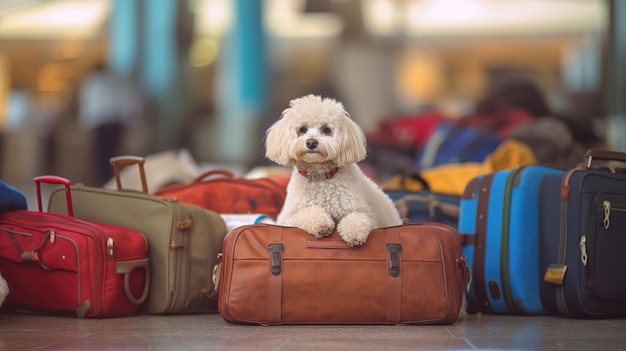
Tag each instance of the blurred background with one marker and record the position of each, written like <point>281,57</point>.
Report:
<point>210,76</point>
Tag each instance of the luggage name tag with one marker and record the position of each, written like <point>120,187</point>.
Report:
<point>555,274</point>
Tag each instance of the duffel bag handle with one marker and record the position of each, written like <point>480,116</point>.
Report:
<point>614,159</point>
<point>51,179</point>
<point>449,210</point>
<point>125,268</point>
<point>213,172</point>
<point>127,160</point>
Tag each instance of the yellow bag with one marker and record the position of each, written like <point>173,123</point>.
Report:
<point>452,178</point>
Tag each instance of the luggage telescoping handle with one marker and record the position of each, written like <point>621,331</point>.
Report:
<point>54,180</point>
<point>128,160</point>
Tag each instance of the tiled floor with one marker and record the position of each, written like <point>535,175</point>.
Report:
<point>211,332</point>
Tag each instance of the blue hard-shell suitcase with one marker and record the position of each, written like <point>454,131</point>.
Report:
<point>499,217</point>
<point>583,238</point>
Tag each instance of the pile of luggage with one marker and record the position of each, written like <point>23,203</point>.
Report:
<point>529,240</point>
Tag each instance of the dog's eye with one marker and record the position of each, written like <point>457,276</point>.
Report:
<point>302,130</point>
<point>326,131</point>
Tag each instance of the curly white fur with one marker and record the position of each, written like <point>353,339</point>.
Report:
<point>327,190</point>
<point>4,289</point>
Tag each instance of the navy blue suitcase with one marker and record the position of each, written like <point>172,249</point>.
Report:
<point>499,219</point>
<point>583,238</point>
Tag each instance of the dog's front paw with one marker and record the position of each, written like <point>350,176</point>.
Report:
<point>354,229</point>
<point>322,231</point>
<point>353,241</point>
<point>314,221</point>
<point>319,228</point>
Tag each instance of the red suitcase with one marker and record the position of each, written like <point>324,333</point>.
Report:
<point>59,264</point>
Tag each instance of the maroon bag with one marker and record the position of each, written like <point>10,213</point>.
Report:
<point>220,191</point>
<point>56,263</point>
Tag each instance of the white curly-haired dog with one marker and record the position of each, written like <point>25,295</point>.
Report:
<point>327,190</point>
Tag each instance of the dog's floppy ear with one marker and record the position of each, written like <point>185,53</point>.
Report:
<point>277,138</point>
<point>353,143</point>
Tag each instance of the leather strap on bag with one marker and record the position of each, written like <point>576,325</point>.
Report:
<point>481,240</point>
<point>275,283</point>
<point>32,255</point>
<point>394,275</point>
<point>125,268</point>
<point>216,173</point>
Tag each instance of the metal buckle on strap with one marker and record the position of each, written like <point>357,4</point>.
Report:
<point>394,258</point>
<point>275,249</point>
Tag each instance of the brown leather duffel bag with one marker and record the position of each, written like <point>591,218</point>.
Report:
<point>409,274</point>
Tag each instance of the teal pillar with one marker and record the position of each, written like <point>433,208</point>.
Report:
<point>160,68</point>
<point>616,76</point>
<point>242,85</point>
<point>124,50</point>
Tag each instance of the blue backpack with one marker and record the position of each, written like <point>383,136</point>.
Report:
<point>451,143</point>
<point>11,198</point>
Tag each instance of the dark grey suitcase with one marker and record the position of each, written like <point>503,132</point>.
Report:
<point>583,237</point>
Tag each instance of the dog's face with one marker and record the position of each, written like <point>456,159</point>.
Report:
<point>315,130</point>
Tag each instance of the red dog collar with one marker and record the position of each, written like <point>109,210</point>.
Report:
<point>329,174</point>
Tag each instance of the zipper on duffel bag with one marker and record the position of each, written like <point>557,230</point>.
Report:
<point>180,294</point>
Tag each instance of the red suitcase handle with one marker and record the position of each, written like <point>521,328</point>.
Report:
<point>128,160</point>
<point>51,179</point>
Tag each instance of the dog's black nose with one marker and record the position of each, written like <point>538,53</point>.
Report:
<point>311,144</point>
